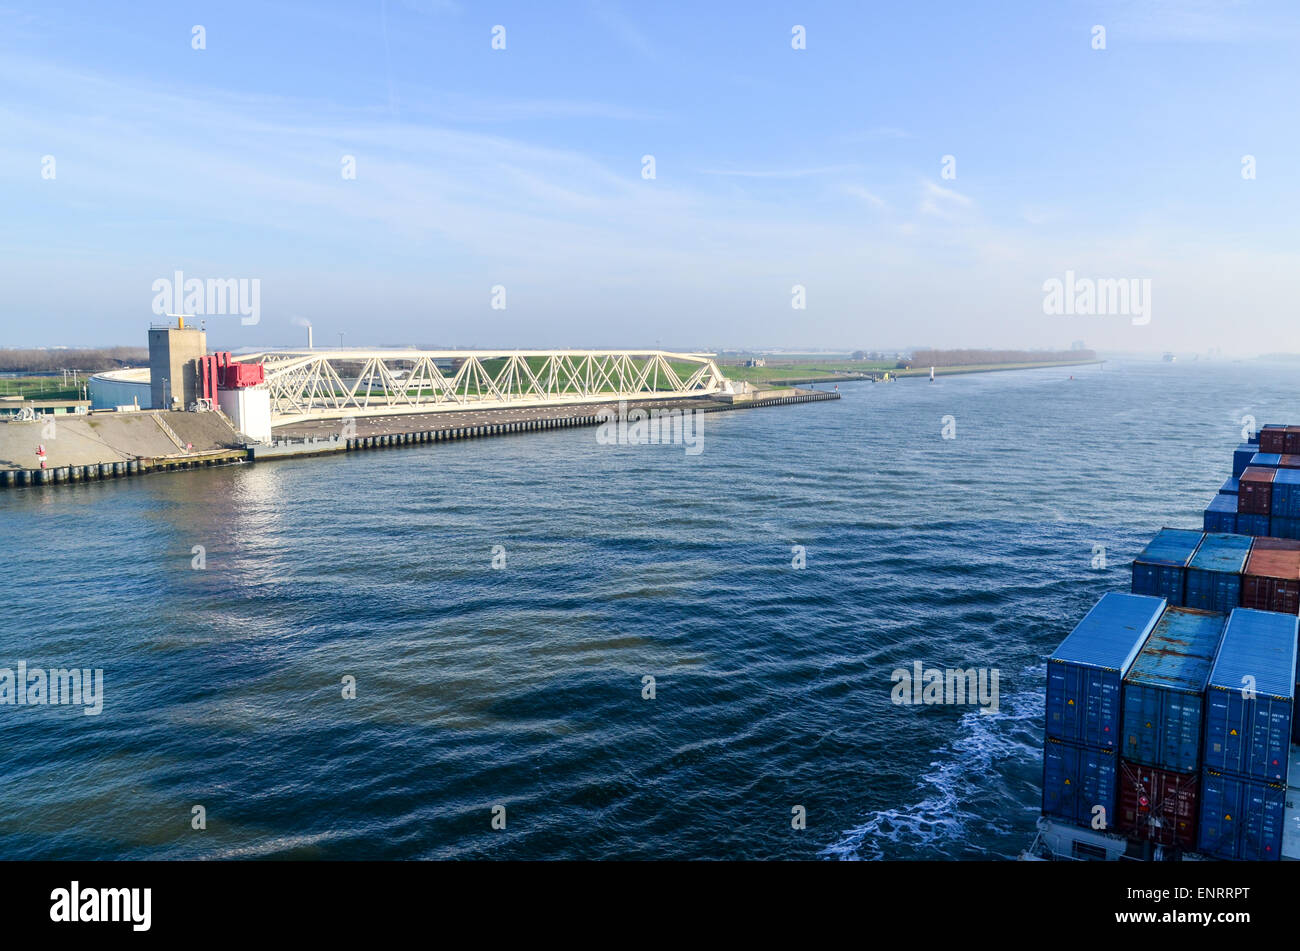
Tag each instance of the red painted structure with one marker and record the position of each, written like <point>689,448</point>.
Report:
<point>218,371</point>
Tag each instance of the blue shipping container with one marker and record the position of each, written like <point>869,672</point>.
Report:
<point>1241,819</point>
<point>1085,674</point>
<point>1164,690</point>
<point>1229,486</point>
<point>1241,457</point>
<point>1255,525</point>
<point>1214,573</point>
<point>1161,569</point>
<point>1268,460</point>
<point>1248,701</point>
<point>1076,780</point>
<point>1286,494</point>
<point>1284,527</point>
<point>1221,515</point>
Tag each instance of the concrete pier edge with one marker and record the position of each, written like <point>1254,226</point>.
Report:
<point>11,478</point>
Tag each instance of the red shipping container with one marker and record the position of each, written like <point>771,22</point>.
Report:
<point>1271,581</point>
<point>1292,441</point>
<point>1273,439</point>
<point>1289,462</point>
<point>1255,491</point>
<point>1158,805</point>
<point>1269,543</point>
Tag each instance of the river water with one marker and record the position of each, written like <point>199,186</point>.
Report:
<point>523,686</point>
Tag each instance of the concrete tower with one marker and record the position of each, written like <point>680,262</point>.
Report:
<point>172,352</point>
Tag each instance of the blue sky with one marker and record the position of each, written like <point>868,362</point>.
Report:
<point>522,167</point>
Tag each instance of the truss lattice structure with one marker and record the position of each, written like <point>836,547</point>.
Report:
<point>324,384</point>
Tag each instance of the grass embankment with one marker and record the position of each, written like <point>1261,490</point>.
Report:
<point>992,367</point>
<point>831,372</point>
<point>780,372</point>
<point>39,388</point>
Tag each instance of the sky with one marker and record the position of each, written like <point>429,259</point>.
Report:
<point>921,171</point>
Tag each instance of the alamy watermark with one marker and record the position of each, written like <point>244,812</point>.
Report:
<point>78,903</point>
<point>922,685</point>
<point>1107,297</point>
<point>214,297</point>
<point>61,686</point>
<point>652,427</point>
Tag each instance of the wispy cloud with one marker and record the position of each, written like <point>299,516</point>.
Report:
<point>879,132</point>
<point>1198,21</point>
<point>779,172</point>
<point>940,201</point>
<point>622,27</point>
<point>488,177</point>
<point>459,108</point>
<point>857,191</point>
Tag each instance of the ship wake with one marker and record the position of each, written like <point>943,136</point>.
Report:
<point>967,783</point>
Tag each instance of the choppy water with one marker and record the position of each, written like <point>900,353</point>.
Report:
<point>522,687</point>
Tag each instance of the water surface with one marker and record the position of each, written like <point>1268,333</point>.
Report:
<point>522,687</point>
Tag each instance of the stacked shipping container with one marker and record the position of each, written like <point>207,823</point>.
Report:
<point>1214,573</point>
<point>1163,703</point>
<point>1221,514</point>
<point>1085,676</point>
<point>1271,581</point>
<point>1158,805</point>
<point>1173,709</point>
<point>1284,510</point>
<point>1161,569</point>
<point>1241,457</point>
<point>1272,438</point>
<point>1249,726</point>
<point>1255,491</point>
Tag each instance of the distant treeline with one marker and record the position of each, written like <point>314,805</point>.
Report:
<point>965,358</point>
<point>88,361</point>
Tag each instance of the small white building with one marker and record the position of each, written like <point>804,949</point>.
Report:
<point>249,410</point>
